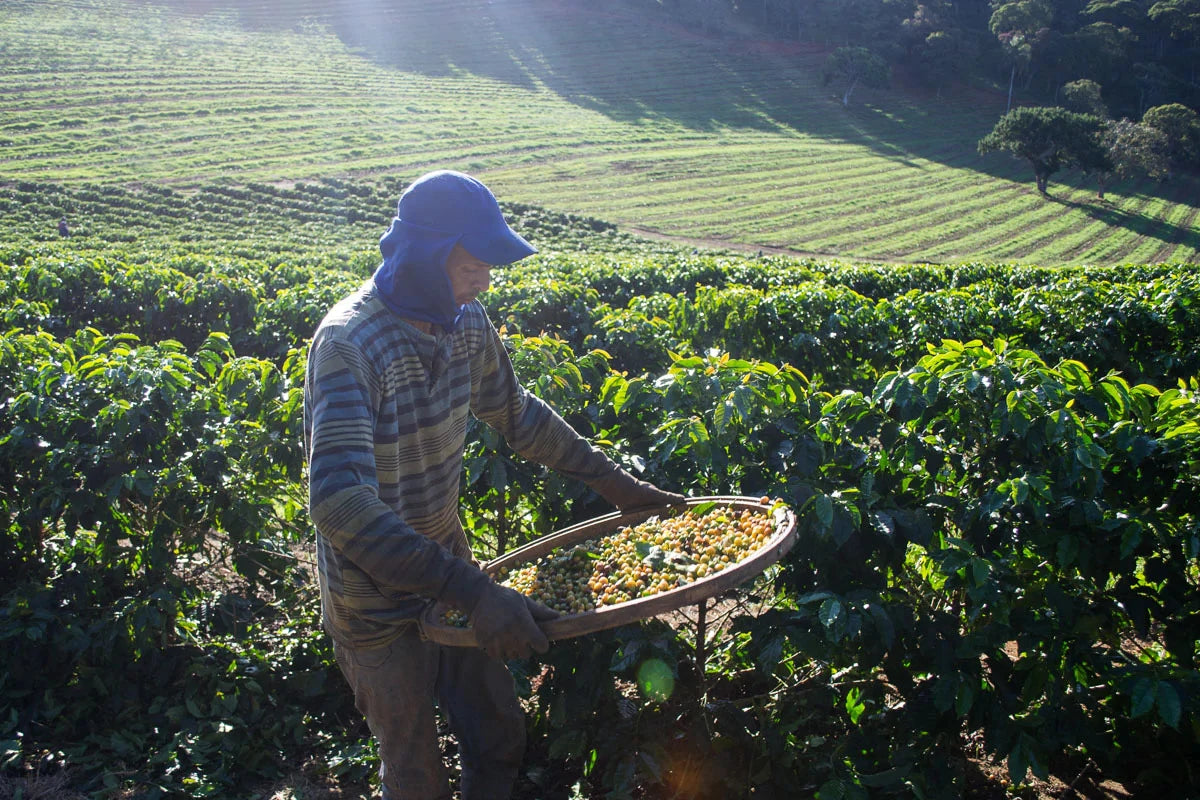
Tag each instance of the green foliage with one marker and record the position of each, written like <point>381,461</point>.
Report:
<point>996,541</point>
<point>1049,139</point>
<point>1181,126</point>
<point>1134,148</point>
<point>513,501</point>
<point>976,537</point>
<point>126,468</point>
<point>984,552</point>
<point>854,66</point>
<point>722,424</point>
<point>1083,97</point>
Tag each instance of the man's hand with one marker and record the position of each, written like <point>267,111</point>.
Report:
<point>506,623</point>
<point>629,494</point>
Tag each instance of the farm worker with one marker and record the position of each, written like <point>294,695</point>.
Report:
<point>393,372</point>
<point>63,229</point>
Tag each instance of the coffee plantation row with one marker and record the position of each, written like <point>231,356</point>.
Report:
<point>996,472</point>
<point>841,325</point>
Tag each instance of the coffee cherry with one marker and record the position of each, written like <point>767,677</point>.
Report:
<point>641,560</point>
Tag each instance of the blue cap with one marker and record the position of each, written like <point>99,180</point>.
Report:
<point>454,203</point>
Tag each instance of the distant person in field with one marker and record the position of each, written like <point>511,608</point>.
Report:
<point>63,229</point>
<point>393,372</point>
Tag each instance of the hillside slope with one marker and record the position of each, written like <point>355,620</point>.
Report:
<point>574,107</point>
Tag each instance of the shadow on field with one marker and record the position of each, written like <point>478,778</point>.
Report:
<point>1139,223</point>
<point>630,64</point>
<point>635,64</point>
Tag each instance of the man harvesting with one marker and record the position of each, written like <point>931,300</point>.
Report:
<point>393,372</point>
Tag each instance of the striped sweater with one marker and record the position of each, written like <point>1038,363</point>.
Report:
<point>385,421</point>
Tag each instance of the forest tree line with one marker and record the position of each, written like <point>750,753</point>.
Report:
<point>1142,53</point>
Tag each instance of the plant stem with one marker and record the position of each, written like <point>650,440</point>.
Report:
<point>701,655</point>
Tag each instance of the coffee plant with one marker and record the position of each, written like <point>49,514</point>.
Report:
<point>994,470</point>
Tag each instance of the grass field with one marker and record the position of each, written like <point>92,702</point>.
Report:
<point>574,106</point>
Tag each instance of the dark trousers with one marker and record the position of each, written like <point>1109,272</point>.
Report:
<point>395,688</point>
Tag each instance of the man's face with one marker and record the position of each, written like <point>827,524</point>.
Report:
<point>469,277</point>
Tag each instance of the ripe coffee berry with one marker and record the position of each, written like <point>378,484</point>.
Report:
<point>641,560</point>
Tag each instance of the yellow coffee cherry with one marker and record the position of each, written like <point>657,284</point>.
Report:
<point>641,560</point>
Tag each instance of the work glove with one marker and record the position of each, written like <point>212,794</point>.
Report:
<point>630,495</point>
<point>506,622</point>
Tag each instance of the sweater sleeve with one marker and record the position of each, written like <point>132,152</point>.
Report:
<point>340,403</point>
<point>529,425</point>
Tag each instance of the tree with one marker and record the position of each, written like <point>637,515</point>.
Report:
<point>1016,25</point>
<point>1083,97</point>
<point>944,55</point>
<point>1181,126</point>
<point>855,65</point>
<point>1180,17</point>
<point>1049,139</point>
<point>1133,148</point>
<point>1153,81</point>
<point>1100,50</point>
<point>1123,13</point>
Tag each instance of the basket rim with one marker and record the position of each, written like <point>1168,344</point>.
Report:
<point>572,625</point>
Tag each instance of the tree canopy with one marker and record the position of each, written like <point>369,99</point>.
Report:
<point>1084,97</point>
<point>1142,53</point>
<point>1050,139</point>
<point>855,65</point>
<point>1181,127</point>
<point>1133,148</point>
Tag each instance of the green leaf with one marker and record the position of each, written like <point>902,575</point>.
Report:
<point>498,474</point>
<point>1186,429</point>
<point>831,613</point>
<point>813,597</point>
<point>566,745</point>
<point>1084,456</point>
<point>1169,706</point>
<point>1018,761</point>
<point>883,624</point>
<point>625,657</point>
<point>823,505</point>
<point>768,658</point>
<point>945,692</point>
<point>1075,371</point>
<point>889,777</point>
<point>1131,539</point>
<point>721,417</point>
<point>1068,549</point>
<point>1116,398</point>
<point>964,699</point>
<point>885,386</point>
<point>980,570</point>
<point>832,790</point>
<point>1035,683</point>
<point>854,705</point>
<point>651,764</point>
<point>1142,698</point>
<point>743,398</point>
<point>618,387</point>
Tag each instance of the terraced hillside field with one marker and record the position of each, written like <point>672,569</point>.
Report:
<point>578,107</point>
